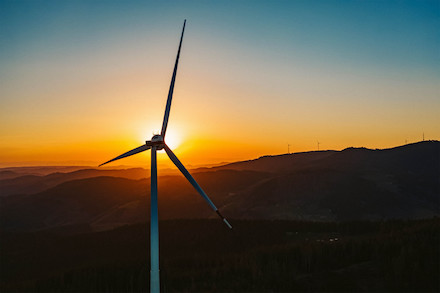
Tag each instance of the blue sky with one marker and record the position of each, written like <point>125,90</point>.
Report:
<point>392,33</point>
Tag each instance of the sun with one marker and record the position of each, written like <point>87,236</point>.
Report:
<point>173,139</point>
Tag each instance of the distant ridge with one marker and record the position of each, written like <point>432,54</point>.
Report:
<point>352,184</point>
<point>17,183</point>
<point>285,160</point>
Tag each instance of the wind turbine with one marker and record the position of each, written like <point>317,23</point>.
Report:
<point>156,143</point>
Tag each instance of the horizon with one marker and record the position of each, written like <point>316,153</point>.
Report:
<point>170,166</point>
<point>84,81</point>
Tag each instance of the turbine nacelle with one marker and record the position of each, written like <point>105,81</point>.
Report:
<point>157,141</point>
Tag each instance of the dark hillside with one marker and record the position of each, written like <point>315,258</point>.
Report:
<point>70,203</point>
<point>108,202</point>
<point>353,184</point>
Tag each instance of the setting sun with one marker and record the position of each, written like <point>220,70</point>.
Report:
<point>173,139</point>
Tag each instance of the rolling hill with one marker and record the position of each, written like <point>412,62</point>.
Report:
<point>15,183</point>
<point>353,184</point>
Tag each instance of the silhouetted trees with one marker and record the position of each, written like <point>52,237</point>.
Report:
<point>203,256</point>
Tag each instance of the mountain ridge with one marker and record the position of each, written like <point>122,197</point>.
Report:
<point>352,184</point>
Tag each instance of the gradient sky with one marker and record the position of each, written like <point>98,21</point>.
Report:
<point>84,81</point>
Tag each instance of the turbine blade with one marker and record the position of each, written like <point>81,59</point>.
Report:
<point>193,182</point>
<point>129,153</point>
<point>170,92</point>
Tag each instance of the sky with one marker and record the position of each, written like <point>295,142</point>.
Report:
<point>84,81</point>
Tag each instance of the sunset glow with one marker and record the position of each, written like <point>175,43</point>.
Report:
<point>82,82</point>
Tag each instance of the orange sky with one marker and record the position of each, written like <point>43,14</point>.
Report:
<point>83,96</point>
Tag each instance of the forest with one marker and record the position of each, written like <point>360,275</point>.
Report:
<point>204,256</point>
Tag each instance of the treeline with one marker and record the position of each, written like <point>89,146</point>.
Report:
<point>256,256</point>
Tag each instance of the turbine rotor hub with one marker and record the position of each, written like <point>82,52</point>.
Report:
<point>157,141</point>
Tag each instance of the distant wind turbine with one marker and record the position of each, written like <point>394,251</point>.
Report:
<point>156,143</point>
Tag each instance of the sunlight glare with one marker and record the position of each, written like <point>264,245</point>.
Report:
<point>173,139</point>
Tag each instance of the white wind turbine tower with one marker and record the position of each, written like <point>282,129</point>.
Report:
<point>156,143</point>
